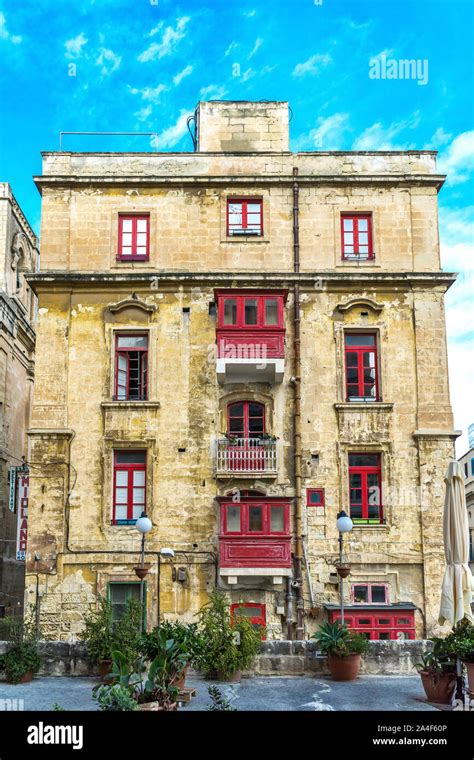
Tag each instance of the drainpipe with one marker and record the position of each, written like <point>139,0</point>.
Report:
<point>298,557</point>
<point>289,610</point>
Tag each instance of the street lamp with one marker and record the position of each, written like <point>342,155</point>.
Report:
<point>143,525</point>
<point>344,525</point>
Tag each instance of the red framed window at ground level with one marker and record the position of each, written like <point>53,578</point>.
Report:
<point>244,216</point>
<point>356,236</point>
<point>129,486</point>
<point>365,489</point>
<point>133,237</point>
<point>370,593</point>
<point>361,366</point>
<point>131,367</point>
<point>380,625</point>
<point>254,613</point>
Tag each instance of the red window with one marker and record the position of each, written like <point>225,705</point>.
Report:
<point>134,237</point>
<point>365,489</point>
<point>129,486</point>
<point>131,367</point>
<point>356,234</point>
<point>315,497</point>
<point>244,217</point>
<point>251,311</point>
<point>255,517</point>
<point>246,419</point>
<point>255,613</point>
<point>361,367</point>
<point>370,593</point>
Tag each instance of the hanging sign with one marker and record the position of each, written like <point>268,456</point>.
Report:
<point>22,524</point>
<point>12,489</point>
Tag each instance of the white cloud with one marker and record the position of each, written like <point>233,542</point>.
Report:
<point>378,137</point>
<point>144,113</point>
<point>5,34</point>
<point>327,135</point>
<point>74,46</point>
<point>151,94</point>
<point>173,134</point>
<point>212,92</point>
<point>109,61</point>
<point>313,65</point>
<point>250,14</point>
<point>457,160</point>
<point>182,74</point>
<point>439,138</point>
<point>248,74</point>
<point>168,42</point>
<point>232,46</point>
<point>258,44</point>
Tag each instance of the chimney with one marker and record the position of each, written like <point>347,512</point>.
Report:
<point>242,126</point>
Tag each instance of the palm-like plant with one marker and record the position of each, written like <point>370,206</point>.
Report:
<point>337,639</point>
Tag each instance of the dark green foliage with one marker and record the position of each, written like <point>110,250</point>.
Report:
<point>219,703</point>
<point>337,639</point>
<point>228,646</point>
<point>103,635</point>
<point>22,655</point>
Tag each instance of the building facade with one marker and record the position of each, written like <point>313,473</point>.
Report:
<point>241,342</point>
<point>467,463</point>
<point>19,255</point>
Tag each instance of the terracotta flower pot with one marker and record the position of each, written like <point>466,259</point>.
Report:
<point>180,681</point>
<point>157,707</point>
<point>229,677</point>
<point>105,666</point>
<point>26,677</point>
<point>344,668</point>
<point>439,687</point>
<point>470,676</point>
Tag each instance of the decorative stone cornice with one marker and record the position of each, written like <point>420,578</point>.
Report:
<point>133,302</point>
<point>366,303</point>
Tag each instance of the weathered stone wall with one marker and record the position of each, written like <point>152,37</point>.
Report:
<point>18,255</point>
<point>277,658</point>
<point>76,424</point>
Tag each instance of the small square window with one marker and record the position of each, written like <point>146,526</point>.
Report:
<point>356,234</point>
<point>315,497</point>
<point>244,217</point>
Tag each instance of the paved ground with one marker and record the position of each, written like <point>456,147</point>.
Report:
<point>286,693</point>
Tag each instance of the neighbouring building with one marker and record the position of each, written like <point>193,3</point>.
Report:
<point>467,463</point>
<point>241,342</point>
<point>19,255</point>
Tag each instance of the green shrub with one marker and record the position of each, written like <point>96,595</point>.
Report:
<point>114,698</point>
<point>337,639</point>
<point>103,635</point>
<point>22,655</point>
<point>229,645</point>
<point>219,703</point>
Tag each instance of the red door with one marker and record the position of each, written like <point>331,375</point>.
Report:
<point>246,424</point>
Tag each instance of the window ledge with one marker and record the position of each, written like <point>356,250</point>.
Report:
<point>245,239</point>
<point>377,405</point>
<point>356,263</point>
<point>130,404</point>
<point>355,526</point>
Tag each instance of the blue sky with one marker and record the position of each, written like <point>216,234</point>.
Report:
<point>142,65</point>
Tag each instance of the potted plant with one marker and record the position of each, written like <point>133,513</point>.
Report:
<point>460,643</point>
<point>21,660</point>
<point>437,670</point>
<point>343,649</point>
<point>186,637</point>
<point>152,686</point>
<point>114,698</point>
<point>231,645</point>
<point>103,635</point>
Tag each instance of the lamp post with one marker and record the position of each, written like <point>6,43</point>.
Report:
<point>344,525</point>
<point>143,525</point>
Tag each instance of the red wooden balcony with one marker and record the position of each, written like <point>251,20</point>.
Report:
<point>254,538</point>
<point>250,336</point>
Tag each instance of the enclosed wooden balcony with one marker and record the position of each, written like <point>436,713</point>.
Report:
<point>254,538</point>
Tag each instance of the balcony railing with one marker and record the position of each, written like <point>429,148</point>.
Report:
<point>246,455</point>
